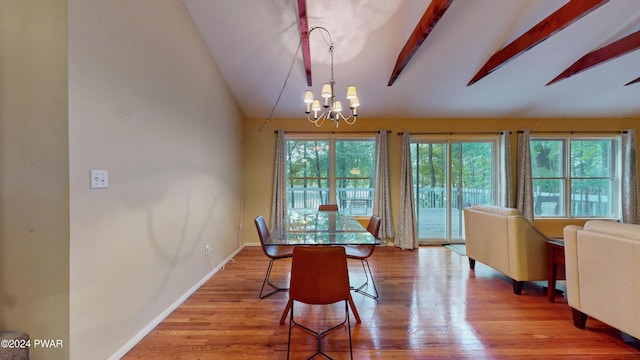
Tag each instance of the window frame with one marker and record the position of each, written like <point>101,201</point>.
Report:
<point>566,179</point>
<point>332,173</point>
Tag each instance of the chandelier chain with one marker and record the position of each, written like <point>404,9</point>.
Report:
<point>331,52</point>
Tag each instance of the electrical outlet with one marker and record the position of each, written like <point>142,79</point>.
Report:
<point>207,249</point>
<point>99,179</point>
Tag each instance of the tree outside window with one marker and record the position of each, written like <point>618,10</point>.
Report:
<point>322,171</point>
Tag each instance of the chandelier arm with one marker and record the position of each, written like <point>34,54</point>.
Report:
<point>317,121</point>
<point>350,120</point>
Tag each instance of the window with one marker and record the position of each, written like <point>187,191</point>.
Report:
<point>323,171</point>
<point>576,176</point>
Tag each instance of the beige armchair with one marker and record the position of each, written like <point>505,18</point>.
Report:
<point>602,264</point>
<point>503,239</point>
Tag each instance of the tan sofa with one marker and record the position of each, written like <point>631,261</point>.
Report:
<point>602,264</point>
<point>506,241</point>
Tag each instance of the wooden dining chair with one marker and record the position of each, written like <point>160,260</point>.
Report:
<point>328,207</point>
<point>273,252</point>
<point>362,253</point>
<point>319,276</point>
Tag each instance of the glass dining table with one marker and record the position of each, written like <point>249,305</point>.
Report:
<point>320,228</point>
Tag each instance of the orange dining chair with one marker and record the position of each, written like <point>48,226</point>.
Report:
<point>319,276</point>
<point>273,252</point>
<point>328,207</point>
<point>362,253</point>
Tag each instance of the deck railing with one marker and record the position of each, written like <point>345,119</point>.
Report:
<point>359,201</point>
<point>355,201</point>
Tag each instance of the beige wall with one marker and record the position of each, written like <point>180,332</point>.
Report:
<point>260,147</point>
<point>34,168</point>
<point>132,90</point>
<point>146,103</point>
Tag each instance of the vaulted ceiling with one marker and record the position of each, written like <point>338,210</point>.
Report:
<point>430,58</point>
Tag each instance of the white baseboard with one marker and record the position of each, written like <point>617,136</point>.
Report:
<point>147,329</point>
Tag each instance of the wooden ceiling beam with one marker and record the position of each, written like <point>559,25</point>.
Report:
<point>560,19</point>
<point>304,38</point>
<point>637,80</point>
<point>429,19</point>
<point>618,48</point>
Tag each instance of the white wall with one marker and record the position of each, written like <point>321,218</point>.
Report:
<point>146,103</point>
<point>34,168</point>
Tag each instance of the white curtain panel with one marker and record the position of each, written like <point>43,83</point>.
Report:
<point>279,194</point>
<point>407,234</point>
<point>524,201</point>
<point>382,193</point>
<point>630,196</point>
<point>506,187</point>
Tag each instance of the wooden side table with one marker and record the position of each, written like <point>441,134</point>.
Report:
<point>555,257</point>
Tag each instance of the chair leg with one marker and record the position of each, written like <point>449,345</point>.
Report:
<point>320,335</point>
<point>290,325</point>
<point>579,318</point>
<point>373,295</point>
<point>266,281</point>
<point>346,309</point>
<point>354,310</point>
<point>286,311</point>
<point>517,287</point>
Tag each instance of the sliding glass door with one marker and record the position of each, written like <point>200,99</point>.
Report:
<point>448,176</point>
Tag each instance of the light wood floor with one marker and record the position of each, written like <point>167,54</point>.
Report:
<point>431,306</point>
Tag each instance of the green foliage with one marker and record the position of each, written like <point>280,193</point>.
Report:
<point>546,158</point>
<point>588,159</point>
<point>308,163</point>
<point>471,164</point>
<point>355,163</point>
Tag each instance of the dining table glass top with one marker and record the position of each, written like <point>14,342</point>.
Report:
<point>320,228</point>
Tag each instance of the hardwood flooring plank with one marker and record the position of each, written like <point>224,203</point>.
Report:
<point>431,306</point>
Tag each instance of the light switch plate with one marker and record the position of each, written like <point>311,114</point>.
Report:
<point>99,179</point>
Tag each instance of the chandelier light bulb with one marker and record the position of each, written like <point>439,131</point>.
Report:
<point>351,92</point>
<point>308,99</point>
<point>354,102</point>
<point>353,105</point>
<point>315,107</point>
<point>337,106</point>
<point>326,91</point>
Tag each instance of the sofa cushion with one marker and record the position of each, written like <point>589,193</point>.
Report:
<point>498,210</point>
<point>607,276</point>
<point>627,231</point>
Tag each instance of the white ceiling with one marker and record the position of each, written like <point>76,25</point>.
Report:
<point>254,43</point>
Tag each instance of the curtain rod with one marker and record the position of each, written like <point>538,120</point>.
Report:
<point>577,132</point>
<point>455,133</point>
<point>332,132</point>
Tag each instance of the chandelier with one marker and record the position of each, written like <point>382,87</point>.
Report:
<point>331,108</point>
